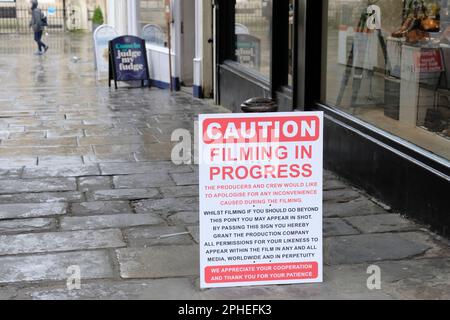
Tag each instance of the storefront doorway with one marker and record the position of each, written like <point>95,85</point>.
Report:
<point>258,52</point>
<point>187,33</point>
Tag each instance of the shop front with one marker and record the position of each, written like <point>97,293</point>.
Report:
<point>380,70</point>
<point>385,88</point>
<point>177,44</point>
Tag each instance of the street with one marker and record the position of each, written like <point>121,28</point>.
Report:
<point>92,207</point>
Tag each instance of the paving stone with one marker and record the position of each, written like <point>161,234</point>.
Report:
<point>116,158</point>
<point>185,218</point>
<point>7,293</point>
<point>333,184</point>
<point>406,279</point>
<point>60,241</point>
<point>328,175</point>
<point>341,195</point>
<point>156,179</point>
<point>11,173</point>
<point>17,162</point>
<point>101,207</point>
<point>122,139</point>
<point>40,151</point>
<point>195,233</point>
<point>86,184</point>
<point>53,267</point>
<point>382,223</point>
<point>27,225</point>
<point>32,210</point>
<point>41,185</point>
<point>359,207</point>
<point>55,133</point>
<point>107,222</point>
<point>60,160</point>
<point>45,197</point>
<point>160,289</point>
<point>123,194</point>
<point>142,167</point>
<point>185,179</point>
<point>117,149</point>
<point>372,248</point>
<point>144,237</point>
<point>439,247</point>
<point>40,142</point>
<point>155,153</point>
<point>256,293</point>
<point>159,262</point>
<point>167,206</point>
<point>338,227</point>
<point>27,135</point>
<point>427,279</point>
<point>180,191</point>
<point>60,171</point>
<point>110,132</point>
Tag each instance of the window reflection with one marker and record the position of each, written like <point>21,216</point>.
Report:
<point>152,22</point>
<point>388,63</point>
<point>253,34</point>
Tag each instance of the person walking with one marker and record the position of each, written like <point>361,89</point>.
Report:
<point>37,23</point>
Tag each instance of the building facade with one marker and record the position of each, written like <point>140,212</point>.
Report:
<point>179,39</point>
<point>380,72</point>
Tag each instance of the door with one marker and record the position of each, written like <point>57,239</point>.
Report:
<point>187,42</point>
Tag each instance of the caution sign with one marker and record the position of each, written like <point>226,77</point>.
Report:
<point>261,182</point>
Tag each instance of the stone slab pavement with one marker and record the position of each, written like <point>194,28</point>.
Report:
<point>86,180</point>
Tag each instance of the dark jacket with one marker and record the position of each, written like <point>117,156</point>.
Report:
<point>36,19</point>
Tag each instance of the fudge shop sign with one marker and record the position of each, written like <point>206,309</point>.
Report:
<point>261,181</point>
<point>128,60</point>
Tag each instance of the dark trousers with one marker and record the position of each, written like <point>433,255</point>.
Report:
<point>37,38</point>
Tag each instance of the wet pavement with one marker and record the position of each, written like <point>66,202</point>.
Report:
<point>86,180</point>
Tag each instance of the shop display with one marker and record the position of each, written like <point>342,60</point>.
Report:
<point>396,77</point>
<point>421,28</point>
<point>420,18</point>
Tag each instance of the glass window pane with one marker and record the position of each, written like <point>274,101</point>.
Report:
<point>253,34</point>
<point>152,12</point>
<point>389,64</point>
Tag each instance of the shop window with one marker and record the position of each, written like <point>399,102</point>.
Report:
<point>389,65</point>
<point>253,34</point>
<point>152,22</point>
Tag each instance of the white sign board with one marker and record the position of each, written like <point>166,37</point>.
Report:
<point>261,182</point>
<point>102,36</point>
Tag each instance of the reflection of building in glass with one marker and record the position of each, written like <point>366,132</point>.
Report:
<point>406,92</point>
<point>255,16</point>
<point>70,14</point>
<point>152,12</point>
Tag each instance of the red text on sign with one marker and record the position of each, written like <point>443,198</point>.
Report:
<point>274,129</point>
<point>262,272</point>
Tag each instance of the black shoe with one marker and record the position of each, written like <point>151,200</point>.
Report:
<point>45,49</point>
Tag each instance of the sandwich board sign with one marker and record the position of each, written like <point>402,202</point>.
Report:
<point>102,36</point>
<point>128,60</point>
<point>261,213</point>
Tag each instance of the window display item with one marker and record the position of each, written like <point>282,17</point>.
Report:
<point>419,20</point>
